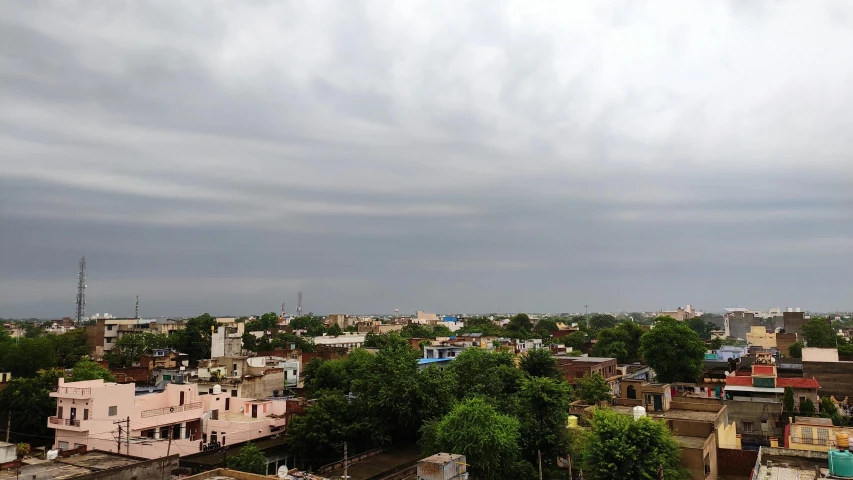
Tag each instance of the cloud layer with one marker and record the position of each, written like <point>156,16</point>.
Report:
<point>485,156</point>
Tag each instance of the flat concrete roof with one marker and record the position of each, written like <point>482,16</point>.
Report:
<point>70,467</point>
<point>690,442</point>
<point>675,414</point>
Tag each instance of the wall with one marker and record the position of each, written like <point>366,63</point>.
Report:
<point>784,342</point>
<point>758,337</point>
<point>793,322</point>
<point>8,452</point>
<point>835,378</point>
<point>735,464</point>
<point>156,469</point>
<point>225,473</point>
<point>811,354</point>
<point>745,411</point>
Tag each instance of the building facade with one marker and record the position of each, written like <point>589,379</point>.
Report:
<point>99,415</point>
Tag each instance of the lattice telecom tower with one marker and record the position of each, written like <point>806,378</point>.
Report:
<point>81,291</point>
<point>299,304</point>
<point>137,307</point>
<point>282,309</point>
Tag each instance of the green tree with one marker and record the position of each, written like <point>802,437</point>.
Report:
<point>194,338</point>
<point>807,408</point>
<point>490,374</point>
<point>414,330</point>
<point>818,333</point>
<point>576,340</point>
<point>674,351</point>
<point>827,407</point>
<point>441,331</point>
<point>701,327</point>
<point>128,348</point>
<point>389,394</point>
<point>250,459</point>
<point>618,447</point>
<point>539,362</point>
<point>543,405</point>
<point>796,350</point>
<point>788,399</point>
<point>334,330</point>
<point>620,342</point>
<point>544,327</point>
<point>326,423</point>
<point>86,369</point>
<point>488,439</point>
<point>520,325</point>
<point>267,321</point>
<point>70,347</point>
<point>601,321</point>
<point>593,389</point>
<point>27,356</point>
<point>29,401</point>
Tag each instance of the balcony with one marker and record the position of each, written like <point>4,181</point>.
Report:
<point>72,392</point>
<point>167,410</point>
<point>63,423</point>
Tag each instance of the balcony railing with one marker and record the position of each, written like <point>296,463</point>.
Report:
<point>63,421</point>
<point>812,441</point>
<point>167,410</point>
<point>78,392</point>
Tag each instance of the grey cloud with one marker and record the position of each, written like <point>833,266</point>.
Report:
<point>506,156</point>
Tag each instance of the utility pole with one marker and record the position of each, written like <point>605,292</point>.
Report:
<point>346,464</point>
<point>118,440</point>
<point>539,452</point>
<point>127,445</point>
<point>169,448</point>
<point>586,310</point>
<point>8,424</point>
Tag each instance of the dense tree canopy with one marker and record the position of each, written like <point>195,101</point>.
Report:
<point>619,447</point>
<point>539,362</point>
<point>267,321</point>
<point>593,389</point>
<point>601,321</point>
<point>674,351</point>
<point>127,349</point>
<point>818,333</point>
<point>249,459</point>
<point>194,338</point>
<point>701,327</point>
<point>543,405</point>
<point>488,439</point>
<point>621,342</point>
<point>519,325</point>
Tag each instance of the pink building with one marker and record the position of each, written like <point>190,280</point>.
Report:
<point>90,413</point>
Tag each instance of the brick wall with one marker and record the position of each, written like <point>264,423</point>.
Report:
<point>735,464</point>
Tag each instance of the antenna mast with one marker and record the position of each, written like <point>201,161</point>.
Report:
<point>299,304</point>
<point>282,309</point>
<point>81,291</point>
<point>137,307</point>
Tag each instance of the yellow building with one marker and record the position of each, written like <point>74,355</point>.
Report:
<point>816,434</point>
<point>758,337</point>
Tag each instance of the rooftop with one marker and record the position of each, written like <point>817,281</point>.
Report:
<point>75,466</point>
<point>744,381</point>
<point>425,361</point>
<point>586,359</point>
<point>690,442</point>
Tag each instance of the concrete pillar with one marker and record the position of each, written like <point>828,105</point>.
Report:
<point>184,430</point>
<point>156,433</point>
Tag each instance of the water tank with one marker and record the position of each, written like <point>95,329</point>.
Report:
<point>52,454</point>
<point>639,412</point>
<point>217,389</point>
<point>573,421</point>
<point>842,440</point>
<point>841,463</point>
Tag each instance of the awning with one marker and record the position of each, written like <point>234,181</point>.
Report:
<point>738,388</point>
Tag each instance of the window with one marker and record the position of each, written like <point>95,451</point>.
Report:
<point>63,445</point>
<point>85,414</point>
<point>109,339</point>
<point>822,436</point>
<point>110,328</point>
<point>747,426</point>
<point>113,411</point>
<point>233,393</point>
<point>294,372</point>
<point>807,434</point>
<point>59,412</point>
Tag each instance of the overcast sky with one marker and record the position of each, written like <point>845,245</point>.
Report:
<point>443,156</point>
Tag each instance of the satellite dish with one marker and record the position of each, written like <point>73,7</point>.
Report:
<point>282,473</point>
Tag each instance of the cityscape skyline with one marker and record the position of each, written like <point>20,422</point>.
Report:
<point>451,157</point>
